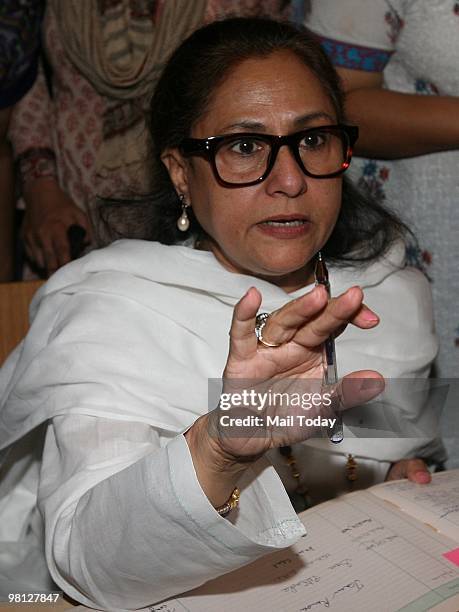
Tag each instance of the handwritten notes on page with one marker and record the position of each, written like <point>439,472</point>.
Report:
<point>359,554</point>
<point>436,504</point>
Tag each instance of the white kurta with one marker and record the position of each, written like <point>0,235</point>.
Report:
<point>115,367</point>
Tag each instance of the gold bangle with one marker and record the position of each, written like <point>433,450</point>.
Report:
<point>231,504</point>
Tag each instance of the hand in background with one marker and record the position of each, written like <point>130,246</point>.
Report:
<point>413,469</point>
<point>49,214</point>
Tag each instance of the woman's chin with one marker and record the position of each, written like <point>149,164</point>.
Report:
<point>285,257</point>
<point>284,273</point>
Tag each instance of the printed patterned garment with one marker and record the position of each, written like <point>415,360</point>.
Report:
<point>19,45</point>
<point>415,43</point>
<point>62,137</point>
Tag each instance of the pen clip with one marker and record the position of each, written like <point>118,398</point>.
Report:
<point>321,273</point>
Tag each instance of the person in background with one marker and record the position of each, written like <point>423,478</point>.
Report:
<point>398,61</point>
<point>19,48</point>
<point>90,138</point>
<point>122,474</point>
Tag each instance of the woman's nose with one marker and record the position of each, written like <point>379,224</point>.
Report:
<point>286,176</point>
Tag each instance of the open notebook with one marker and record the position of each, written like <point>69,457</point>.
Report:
<point>394,547</point>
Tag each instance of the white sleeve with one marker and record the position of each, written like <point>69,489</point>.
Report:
<point>127,523</point>
<point>357,34</point>
<point>404,344</point>
<point>364,22</point>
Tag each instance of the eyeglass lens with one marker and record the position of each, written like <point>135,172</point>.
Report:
<point>244,159</point>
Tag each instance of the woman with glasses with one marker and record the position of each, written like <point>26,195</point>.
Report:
<point>146,487</point>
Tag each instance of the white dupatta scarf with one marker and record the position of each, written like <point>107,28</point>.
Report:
<point>134,331</point>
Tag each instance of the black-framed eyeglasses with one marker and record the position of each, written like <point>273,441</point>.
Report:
<point>244,159</point>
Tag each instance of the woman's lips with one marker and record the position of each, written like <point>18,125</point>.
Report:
<point>285,227</point>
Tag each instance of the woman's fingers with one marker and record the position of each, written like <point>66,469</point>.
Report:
<point>313,318</point>
<point>413,469</point>
<point>365,318</point>
<point>296,313</point>
<point>243,341</point>
<point>308,320</point>
<point>283,324</point>
<point>337,314</point>
<point>33,252</point>
<point>358,388</point>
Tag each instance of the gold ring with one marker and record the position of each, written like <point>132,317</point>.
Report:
<point>260,322</point>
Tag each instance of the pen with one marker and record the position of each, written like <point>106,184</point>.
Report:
<point>329,354</point>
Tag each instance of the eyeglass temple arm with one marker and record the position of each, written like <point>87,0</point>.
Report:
<point>195,145</point>
<point>353,134</point>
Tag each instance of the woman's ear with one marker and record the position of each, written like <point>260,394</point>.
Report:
<point>178,170</point>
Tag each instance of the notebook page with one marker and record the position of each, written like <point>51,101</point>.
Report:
<point>436,504</point>
<point>359,554</point>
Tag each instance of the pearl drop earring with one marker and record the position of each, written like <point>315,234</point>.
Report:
<point>183,222</point>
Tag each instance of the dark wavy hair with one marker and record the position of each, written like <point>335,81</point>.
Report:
<point>364,229</point>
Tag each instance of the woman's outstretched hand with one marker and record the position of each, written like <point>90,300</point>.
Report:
<point>221,452</point>
<point>294,367</point>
